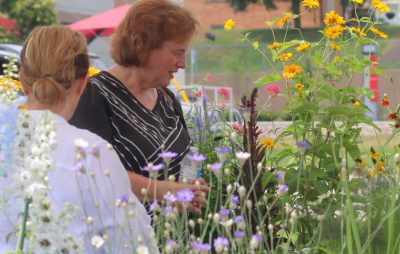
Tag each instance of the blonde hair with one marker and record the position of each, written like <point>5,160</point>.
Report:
<point>51,59</point>
<point>146,26</point>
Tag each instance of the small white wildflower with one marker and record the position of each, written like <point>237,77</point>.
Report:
<point>242,157</point>
<point>216,218</point>
<point>142,250</point>
<point>229,189</point>
<point>80,143</point>
<point>242,191</point>
<point>97,241</point>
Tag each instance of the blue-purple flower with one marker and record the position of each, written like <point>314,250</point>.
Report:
<point>282,189</point>
<point>171,246</point>
<point>302,145</point>
<point>239,235</point>
<point>280,177</point>
<point>185,195</point>
<point>255,241</point>
<point>201,247</point>
<point>196,157</point>
<point>224,213</point>
<point>154,205</point>
<point>220,243</point>
<point>124,198</point>
<point>167,156</point>
<point>222,149</point>
<point>170,198</point>
<point>153,169</point>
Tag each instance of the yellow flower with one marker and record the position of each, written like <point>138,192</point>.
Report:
<point>299,86</point>
<point>336,59</point>
<point>379,33</point>
<point>358,1</point>
<point>371,172</point>
<point>23,107</point>
<point>93,71</point>
<point>362,162</point>
<point>275,45</point>
<point>303,46</point>
<point>373,154</point>
<point>229,24</point>
<point>291,71</point>
<point>380,6</point>
<point>311,3</point>
<point>335,47</point>
<point>359,31</point>
<point>267,143</point>
<point>334,32</point>
<point>356,104</point>
<point>285,56</point>
<point>379,168</point>
<point>284,19</point>
<point>333,19</point>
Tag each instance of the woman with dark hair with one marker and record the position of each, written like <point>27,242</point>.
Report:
<point>129,104</point>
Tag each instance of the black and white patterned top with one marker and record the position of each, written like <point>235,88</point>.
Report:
<point>108,109</point>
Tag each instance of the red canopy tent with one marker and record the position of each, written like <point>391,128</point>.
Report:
<point>102,24</point>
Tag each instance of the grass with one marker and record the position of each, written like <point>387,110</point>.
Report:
<point>228,54</point>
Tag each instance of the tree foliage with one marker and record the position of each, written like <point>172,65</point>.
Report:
<point>29,14</point>
<point>240,5</point>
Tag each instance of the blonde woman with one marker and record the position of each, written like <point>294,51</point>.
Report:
<point>54,67</point>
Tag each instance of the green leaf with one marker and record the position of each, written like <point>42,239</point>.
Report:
<point>267,79</point>
<point>377,71</point>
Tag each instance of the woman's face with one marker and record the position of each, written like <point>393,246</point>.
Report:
<point>164,62</point>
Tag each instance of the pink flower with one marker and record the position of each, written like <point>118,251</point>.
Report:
<point>208,77</point>
<point>197,94</point>
<point>273,90</point>
<point>222,105</point>
<point>224,92</point>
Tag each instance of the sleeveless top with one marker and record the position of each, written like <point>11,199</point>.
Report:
<point>138,134</point>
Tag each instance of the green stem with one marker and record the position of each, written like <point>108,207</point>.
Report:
<point>22,232</point>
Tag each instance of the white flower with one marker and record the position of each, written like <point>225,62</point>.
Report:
<point>242,191</point>
<point>142,250</point>
<point>97,241</point>
<point>80,143</point>
<point>34,188</point>
<point>242,157</point>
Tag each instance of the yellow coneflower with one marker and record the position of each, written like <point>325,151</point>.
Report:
<point>284,19</point>
<point>334,32</point>
<point>275,45</point>
<point>229,24</point>
<point>311,3</point>
<point>373,154</point>
<point>336,59</point>
<point>335,47</point>
<point>333,19</point>
<point>380,6</point>
<point>379,33</point>
<point>267,143</point>
<point>285,56</point>
<point>358,1</point>
<point>358,30</point>
<point>291,71</point>
<point>379,168</point>
<point>299,86</point>
<point>303,46</point>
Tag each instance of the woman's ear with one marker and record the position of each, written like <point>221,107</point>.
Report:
<point>81,85</point>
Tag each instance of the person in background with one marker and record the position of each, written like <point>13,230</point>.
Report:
<point>130,106</point>
<point>53,71</point>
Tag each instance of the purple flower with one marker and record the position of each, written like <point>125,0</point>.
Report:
<point>170,197</point>
<point>199,123</point>
<point>234,199</point>
<point>215,166</point>
<point>171,244</point>
<point>239,234</point>
<point>150,167</point>
<point>238,219</point>
<point>201,246</point>
<point>196,157</point>
<point>185,195</point>
<point>167,155</point>
<point>255,241</point>
<point>124,198</point>
<point>224,212</point>
<point>79,167</point>
<point>280,176</point>
<point>222,149</point>
<point>220,243</point>
<point>282,189</point>
<point>168,210</point>
<point>154,205</point>
<point>303,144</point>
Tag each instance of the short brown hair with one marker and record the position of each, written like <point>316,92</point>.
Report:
<point>51,59</point>
<point>147,25</point>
